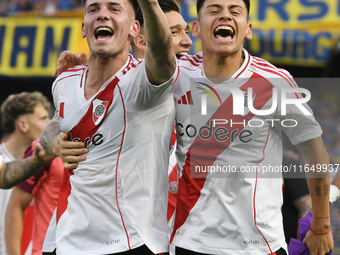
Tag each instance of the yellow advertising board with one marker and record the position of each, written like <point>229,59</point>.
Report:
<point>292,32</point>
<point>30,46</point>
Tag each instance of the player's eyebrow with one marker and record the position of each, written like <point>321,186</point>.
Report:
<point>214,5</point>
<point>115,3</point>
<point>178,26</point>
<point>235,6</point>
<point>97,4</point>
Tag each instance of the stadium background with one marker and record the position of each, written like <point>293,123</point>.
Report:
<point>302,36</point>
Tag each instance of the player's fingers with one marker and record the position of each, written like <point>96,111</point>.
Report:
<point>73,148</point>
<point>55,73</point>
<point>70,166</point>
<point>66,154</point>
<point>84,58</point>
<point>38,147</point>
<point>71,162</point>
<point>64,55</point>
<point>63,136</point>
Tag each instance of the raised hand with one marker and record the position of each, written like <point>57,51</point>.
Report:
<point>68,59</point>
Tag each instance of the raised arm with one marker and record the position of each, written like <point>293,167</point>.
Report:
<point>319,239</point>
<point>160,59</point>
<point>49,134</point>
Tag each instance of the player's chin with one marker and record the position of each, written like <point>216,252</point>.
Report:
<point>104,54</point>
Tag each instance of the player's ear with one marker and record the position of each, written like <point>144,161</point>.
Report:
<point>22,125</point>
<point>83,34</point>
<point>140,41</point>
<point>249,31</point>
<point>195,31</point>
<point>134,30</point>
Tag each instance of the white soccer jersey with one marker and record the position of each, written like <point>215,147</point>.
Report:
<point>118,196</point>
<point>232,210</point>
<point>5,195</point>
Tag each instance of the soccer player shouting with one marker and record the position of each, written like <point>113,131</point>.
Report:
<point>238,212</point>
<point>122,109</point>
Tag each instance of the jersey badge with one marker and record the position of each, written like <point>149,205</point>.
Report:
<point>246,108</point>
<point>99,107</point>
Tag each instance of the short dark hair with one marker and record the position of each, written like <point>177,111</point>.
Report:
<point>134,4</point>
<point>200,3</point>
<point>166,6</point>
<point>20,104</point>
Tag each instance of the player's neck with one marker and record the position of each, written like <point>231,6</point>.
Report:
<point>16,145</point>
<point>100,70</point>
<point>221,67</point>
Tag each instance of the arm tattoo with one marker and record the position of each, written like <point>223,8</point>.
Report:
<point>159,47</point>
<point>146,9</point>
<point>51,132</point>
<point>18,171</point>
<point>303,144</point>
<point>320,218</point>
<point>172,64</point>
<point>321,188</point>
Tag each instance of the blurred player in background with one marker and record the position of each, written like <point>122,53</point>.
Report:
<point>44,188</point>
<point>23,118</point>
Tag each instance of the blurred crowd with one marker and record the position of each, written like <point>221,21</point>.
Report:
<point>43,7</point>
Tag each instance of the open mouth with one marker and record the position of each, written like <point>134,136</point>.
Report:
<point>224,33</point>
<point>103,33</point>
<point>181,54</point>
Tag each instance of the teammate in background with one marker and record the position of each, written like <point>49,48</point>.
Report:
<point>238,213</point>
<point>178,27</point>
<point>23,118</point>
<point>44,187</point>
<point>181,46</point>
<point>117,204</point>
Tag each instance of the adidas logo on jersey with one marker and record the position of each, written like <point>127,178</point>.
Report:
<point>186,99</point>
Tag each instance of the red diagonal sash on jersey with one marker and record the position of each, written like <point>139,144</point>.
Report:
<point>204,152</point>
<point>84,130</point>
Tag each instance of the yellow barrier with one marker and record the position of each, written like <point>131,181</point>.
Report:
<point>31,46</point>
<point>292,32</point>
